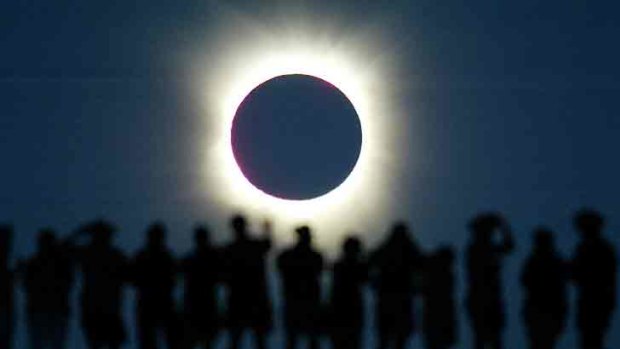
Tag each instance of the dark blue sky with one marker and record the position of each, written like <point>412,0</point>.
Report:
<point>516,109</point>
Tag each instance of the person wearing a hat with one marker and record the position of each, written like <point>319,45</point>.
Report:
<point>104,270</point>
<point>248,305</point>
<point>594,274</point>
<point>485,302</point>
<point>300,268</point>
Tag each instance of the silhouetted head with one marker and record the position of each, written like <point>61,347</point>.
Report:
<point>400,232</point>
<point>156,236</point>
<point>543,239</point>
<point>304,235</point>
<point>239,226</point>
<point>201,236</point>
<point>102,232</point>
<point>589,223</point>
<point>400,238</point>
<point>483,225</point>
<point>352,248</point>
<point>46,241</point>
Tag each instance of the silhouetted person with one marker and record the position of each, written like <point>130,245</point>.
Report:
<point>47,278</point>
<point>300,270</point>
<point>439,317</point>
<point>154,273</point>
<point>544,278</point>
<point>394,267</point>
<point>346,306</point>
<point>7,316</point>
<point>248,304</point>
<point>104,272</point>
<point>594,273</point>
<point>200,314</point>
<point>484,263</point>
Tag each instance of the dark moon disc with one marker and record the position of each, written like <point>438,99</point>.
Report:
<point>296,137</point>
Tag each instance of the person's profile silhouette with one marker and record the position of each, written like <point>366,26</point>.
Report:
<point>154,276</point>
<point>300,269</point>
<point>201,270</point>
<point>394,266</point>
<point>346,305</point>
<point>485,302</point>
<point>248,303</point>
<point>104,270</point>
<point>593,270</point>
<point>544,279</point>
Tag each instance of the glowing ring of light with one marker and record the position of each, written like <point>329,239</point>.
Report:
<point>285,65</point>
<point>241,62</point>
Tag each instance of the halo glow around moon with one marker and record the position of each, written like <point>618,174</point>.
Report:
<point>245,54</point>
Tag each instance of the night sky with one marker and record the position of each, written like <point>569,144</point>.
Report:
<point>514,107</point>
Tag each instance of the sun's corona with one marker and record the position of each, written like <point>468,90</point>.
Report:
<point>244,59</point>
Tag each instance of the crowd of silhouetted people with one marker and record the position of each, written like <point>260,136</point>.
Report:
<point>399,273</point>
